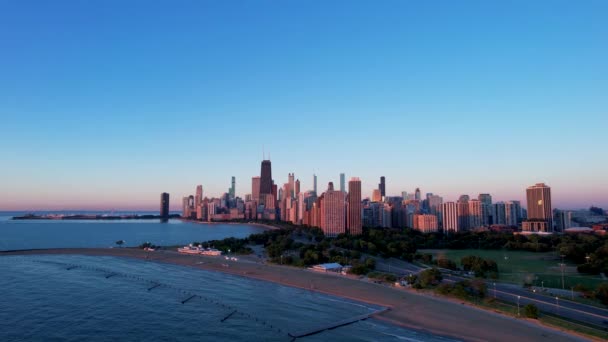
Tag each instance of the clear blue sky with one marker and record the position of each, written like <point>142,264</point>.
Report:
<point>105,104</point>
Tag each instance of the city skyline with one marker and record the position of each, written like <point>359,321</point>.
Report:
<point>104,109</point>
<point>366,192</point>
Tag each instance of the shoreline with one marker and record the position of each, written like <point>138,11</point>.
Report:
<point>263,225</point>
<point>419,312</point>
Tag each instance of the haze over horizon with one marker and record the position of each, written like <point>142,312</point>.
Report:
<point>106,105</point>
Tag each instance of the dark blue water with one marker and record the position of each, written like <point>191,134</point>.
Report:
<point>26,234</point>
<point>41,300</point>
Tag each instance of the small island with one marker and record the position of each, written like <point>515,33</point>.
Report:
<point>91,217</point>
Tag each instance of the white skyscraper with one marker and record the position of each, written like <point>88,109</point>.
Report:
<point>449,214</point>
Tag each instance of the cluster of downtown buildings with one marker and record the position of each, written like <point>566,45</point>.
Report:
<point>341,210</point>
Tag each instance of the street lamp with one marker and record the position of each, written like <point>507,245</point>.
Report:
<point>557,302</point>
<point>572,291</point>
<point>542,284</point>
<point>562,267</point>
<point>518,312</point>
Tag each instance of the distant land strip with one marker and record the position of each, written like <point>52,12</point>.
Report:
<point>91,217</point>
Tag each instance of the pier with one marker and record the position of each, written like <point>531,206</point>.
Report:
<point>337,324</point>
<point>187,299</point>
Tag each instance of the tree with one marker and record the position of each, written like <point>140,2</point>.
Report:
<point>531,311</point>
<point>119,243</point>
<point>446,263</point>
<point>430,277</point>
<point>602,293</point>
<point>479,266</point>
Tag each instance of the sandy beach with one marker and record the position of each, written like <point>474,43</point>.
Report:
<point>409,309</point>
<point>263,225</point>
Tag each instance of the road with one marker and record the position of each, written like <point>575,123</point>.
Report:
<point>513,294</point>
<point>565,308</point>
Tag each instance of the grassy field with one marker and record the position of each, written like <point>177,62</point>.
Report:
<point>539,269</point>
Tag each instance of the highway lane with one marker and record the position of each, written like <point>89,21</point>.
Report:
<point>510,292</point>
<point>398,267</point>
<point>565,308</point>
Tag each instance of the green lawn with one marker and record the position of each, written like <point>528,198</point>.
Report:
<point>519,266</point>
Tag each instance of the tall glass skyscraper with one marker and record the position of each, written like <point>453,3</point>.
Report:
<point>265,178</point>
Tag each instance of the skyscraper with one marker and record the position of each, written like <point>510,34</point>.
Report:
<point>434,203</point>
<point>199,196</point>
<point>265,179</point>
<point>499,213</point>
<point>475,214</point>
<point>376,195</point>
<point>164,206</point>
<point>382,186</point>
<point>333,222</point>
<point>417,197</point>
<point>297,191</point>
<point>486,208</point>
<point>426,223</point>
<point>292,185</point>
<point>563,220</point>
<point>463,212</point>
<point>511,214</point>
<point>342,183</point>
<point>232,191</point>
<point>450,217</point>
<point>354,207</point>
<point>540,214</point>
<point>314,182</point>
<point>255,189</point>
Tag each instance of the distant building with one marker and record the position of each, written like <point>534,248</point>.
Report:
<point>333,218</point>
<point>382,187</point>
<point>562,219</point>
<point>450,217</point>
<point>255,188</point>
<point>265,178</point>
<point>354,219</point>
<point>342,182</point>
<point>292,185</point>
<point>499,213</point>
<point>536,226</point>
<point>475,214</point>
<point>314,183</point>
<point>426,223</point>
<point>164,206</point>
<point>486,208</point>
<point>188,209</point>
<point>297,191</point>
<point>377,195</point>
<point>386,215</point>
<point>511,215</point>
<point>198,199</point>
<point>435,208</point>
<point>463,213</point>
<point>417,195</point>
<point>539,208</point>
<point>232,192</point>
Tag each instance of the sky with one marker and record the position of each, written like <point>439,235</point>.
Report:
<point>106,104</point>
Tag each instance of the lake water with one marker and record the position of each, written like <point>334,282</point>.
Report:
<point>27,234</point>
<point>44,301</point>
